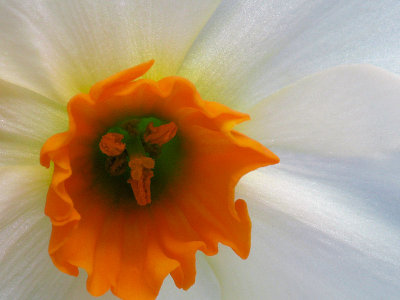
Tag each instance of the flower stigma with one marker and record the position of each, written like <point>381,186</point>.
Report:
<point>143,178</point>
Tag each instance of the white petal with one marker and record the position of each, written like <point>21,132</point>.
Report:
<point>346,111</point>
<point>26,121</point>
<point>26,271</point>
<point>250,49</point>
<point>325,219</point>
<point>58,48</point>
<point>322,229</point>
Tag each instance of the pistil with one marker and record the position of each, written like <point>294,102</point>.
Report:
<point>141,174</point>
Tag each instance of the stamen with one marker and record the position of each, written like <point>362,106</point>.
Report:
<point>111,144</point>
<point>140,180</point>
<point>141,142</point>
<point>161,134</point>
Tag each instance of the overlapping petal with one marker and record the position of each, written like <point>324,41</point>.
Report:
<point>27,119</point>
<point>258,47</point>
<point>326,218</point>
<point>350,111</point>
<point>331,233</point>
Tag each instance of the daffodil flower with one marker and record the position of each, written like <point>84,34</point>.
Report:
<point>325,221</point>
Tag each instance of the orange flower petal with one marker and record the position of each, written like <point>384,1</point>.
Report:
<point>97,224</point>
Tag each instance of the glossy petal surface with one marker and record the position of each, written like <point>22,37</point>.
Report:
<point>326,218</point>
<point>258,47</point>
<point>61,48</point>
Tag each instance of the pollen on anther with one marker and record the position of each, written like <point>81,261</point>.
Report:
<point>161,134</point>
<point>111,144</point>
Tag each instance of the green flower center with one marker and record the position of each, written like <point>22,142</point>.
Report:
<point>137,158</point>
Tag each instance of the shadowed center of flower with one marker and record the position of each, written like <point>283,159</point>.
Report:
<point>129,148</point>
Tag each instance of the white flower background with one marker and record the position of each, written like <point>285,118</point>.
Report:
<point>326,220</point>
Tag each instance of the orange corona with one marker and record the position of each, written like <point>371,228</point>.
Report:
<point>131,201</point>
